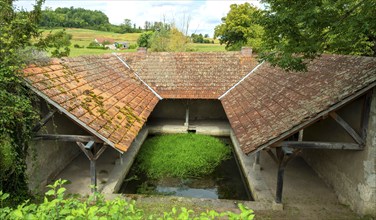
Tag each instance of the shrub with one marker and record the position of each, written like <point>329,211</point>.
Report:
<point>181,155</point>
<point>57,206</point>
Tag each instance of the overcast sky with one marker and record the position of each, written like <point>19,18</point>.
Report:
<point>203,15</point>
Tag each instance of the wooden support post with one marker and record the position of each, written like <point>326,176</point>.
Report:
<point>187,117</point>
<point>280,174</point>
<point>285,155</point>
<point>92,153</point>
<point>93,176</point>
<point>301,132</point>
<point>365,115</point>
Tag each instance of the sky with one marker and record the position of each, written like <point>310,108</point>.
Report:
<point>203,15</point>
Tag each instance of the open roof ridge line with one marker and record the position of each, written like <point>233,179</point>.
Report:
<point>241,80</point>
<point>135,73</point>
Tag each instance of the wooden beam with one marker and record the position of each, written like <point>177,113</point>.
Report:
<point>44,121</point>
<point>271,154</point>
<point>320,145</point>
<point>365,115</point>
<point>347,127</point>
<point>319,116</point>
<point>87,152</point>
<point>67,138</point>
<point>100,151</point>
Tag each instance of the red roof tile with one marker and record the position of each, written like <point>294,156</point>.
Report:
<point>99,92</point>
<point>190,75</point>
<point>270,102</point>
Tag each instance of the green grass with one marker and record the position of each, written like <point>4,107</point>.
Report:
<point>208,47</point>
<point>181,155</point>
<point>83,37</point>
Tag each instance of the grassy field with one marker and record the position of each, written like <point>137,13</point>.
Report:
<point>83,37</point>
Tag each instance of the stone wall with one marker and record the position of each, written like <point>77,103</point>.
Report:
<point>352,174</point>
<point>198,110</point>
<point>47,158</point>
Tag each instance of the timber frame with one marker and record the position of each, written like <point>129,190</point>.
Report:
<point>91,146</point>
<point>287,150</point>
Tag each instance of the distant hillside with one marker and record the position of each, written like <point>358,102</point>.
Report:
<point>83,37</point>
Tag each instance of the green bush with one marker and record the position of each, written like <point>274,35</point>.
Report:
<point>181,155</point>
<point>57,206</point>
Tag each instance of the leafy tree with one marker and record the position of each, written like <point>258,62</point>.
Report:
<point>240,28</point>
<point>178,41</point>
<point>297,31</point>
<point>197,38</point>
<point>16,112</point>
<point>17,115</point>
<point>159,40</point>
<point>59,40</point>
<point>144,39</point>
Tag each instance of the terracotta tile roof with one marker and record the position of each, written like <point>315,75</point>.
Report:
<point>98,92</point>
<point>190,75</point>
<point>271,102</point>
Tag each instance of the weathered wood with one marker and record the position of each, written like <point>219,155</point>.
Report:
<point>280,175</point>
<point>100,151</point>
<point>93,176</point>
<point>347,127</point>
<point>301,132</point>
<point>271,154</point>
<point>88,153</point>
<point>365,115</point>
<point>286,155</point>
<point>318,117</point>
<point>67,138</point>
<point>44,120</point>
<point>320,145</point>
<point>70,115</point>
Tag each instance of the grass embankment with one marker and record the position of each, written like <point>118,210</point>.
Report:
<point>181,155</point>
<point>83,37</point>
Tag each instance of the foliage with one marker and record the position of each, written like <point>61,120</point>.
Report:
<point>56,205</point>
<point>181,155</point>
<point>59,40</point>
<point>17,115</point>
<point>240,28</point>
<point>16,112</point>
<point>144,39</point>
<point>296,31</point>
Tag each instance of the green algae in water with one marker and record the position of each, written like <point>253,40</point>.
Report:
<point>181,155</point>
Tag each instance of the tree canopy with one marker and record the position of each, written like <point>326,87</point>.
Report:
<point>298,31</point>
<point>240,27</point>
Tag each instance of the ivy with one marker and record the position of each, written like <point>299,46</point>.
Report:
<point>18,29</point>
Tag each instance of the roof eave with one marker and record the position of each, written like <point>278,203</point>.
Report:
<point>71,116</point>
<point>320,115</point>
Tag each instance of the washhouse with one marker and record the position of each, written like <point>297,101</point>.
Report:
<point>105,106</point>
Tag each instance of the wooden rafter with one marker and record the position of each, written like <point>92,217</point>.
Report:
<point>347,127</point>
